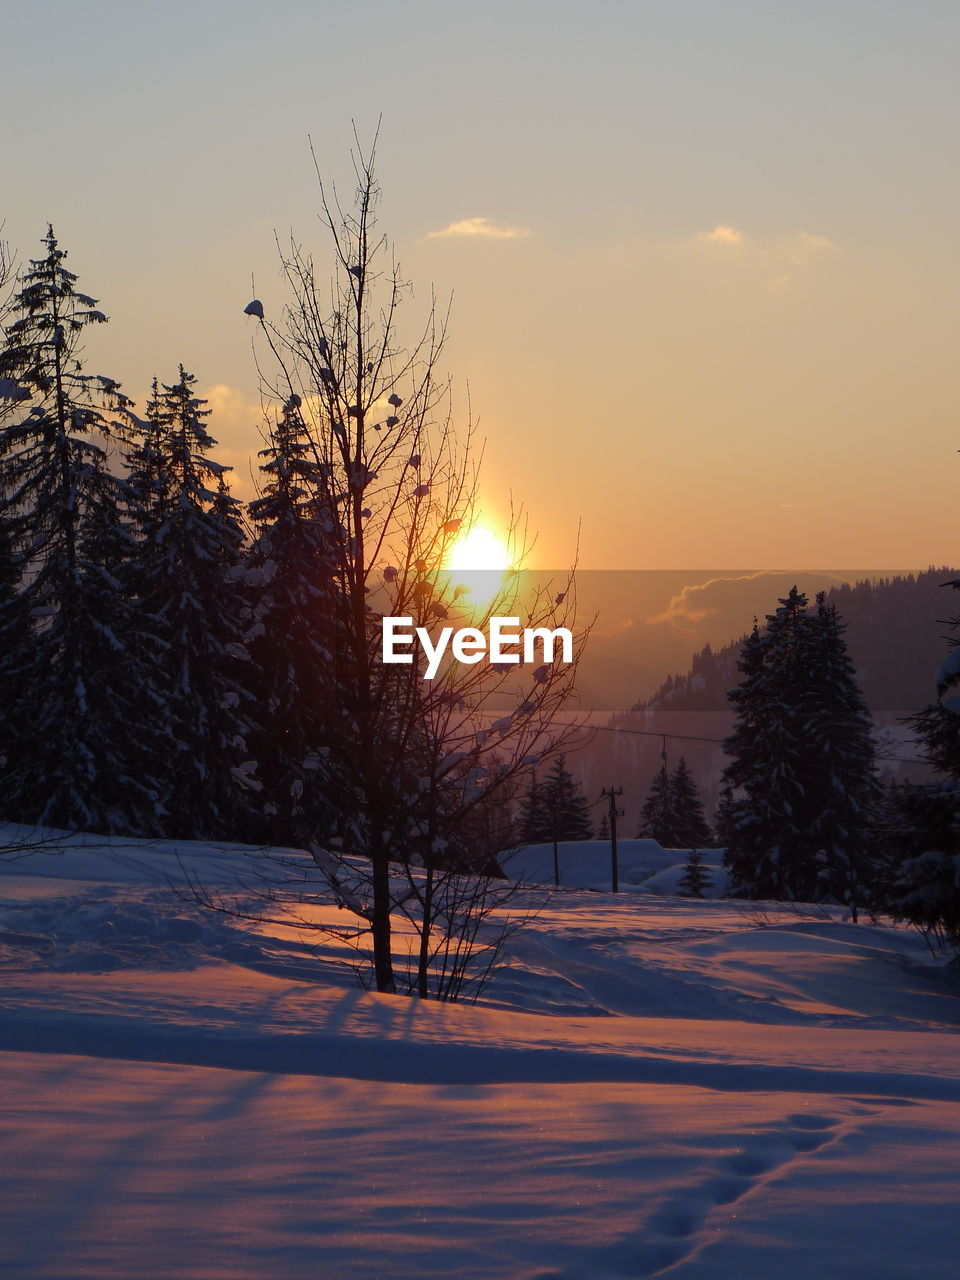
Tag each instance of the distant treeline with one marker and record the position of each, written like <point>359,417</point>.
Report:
<point>895,635</point>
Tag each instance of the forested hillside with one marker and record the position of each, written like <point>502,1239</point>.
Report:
<point>895,634</point>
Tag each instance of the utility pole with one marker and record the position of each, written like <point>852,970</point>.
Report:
<point>556,854</point>
<point>615,812</point>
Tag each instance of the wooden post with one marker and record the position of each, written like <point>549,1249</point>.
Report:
<point>615,812</point>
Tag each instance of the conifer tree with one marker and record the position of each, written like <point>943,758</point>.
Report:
<point>938,725</point>
<point>696,876</point>
<point>149,481</point>
<point>291,639</point>
<point>801,761</point>
<point>725,818</point>
<point>15,642</point>
<point>921,834</point>
<point>692,828</point>
<point>845,780</point>
<point>920,838</point>
<point>78,676</point>
<point>771,854</point>
<point>534,825</point>
<point>566,808</point>
<point>192,576</point>
<point>658,817</point>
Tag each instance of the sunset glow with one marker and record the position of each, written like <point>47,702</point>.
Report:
<point>478,549</point>
<point>476,564</point>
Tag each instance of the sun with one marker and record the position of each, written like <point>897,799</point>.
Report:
<point>476,564</point>
<point>479,549</point>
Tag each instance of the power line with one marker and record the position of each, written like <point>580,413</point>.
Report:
<point>689,737</point>
<point>649,733</point>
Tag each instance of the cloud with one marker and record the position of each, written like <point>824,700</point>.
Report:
<point>231,404</point>
<point>798,253</point>
<point>236,422</point>
<point>483,228</point>
<point>724,234</point>
<point>802,246</point>
<point>690,605</point>
<point>808,241</point>
<point>733,598</point>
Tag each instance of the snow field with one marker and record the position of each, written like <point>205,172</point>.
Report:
<point>652,1086</point>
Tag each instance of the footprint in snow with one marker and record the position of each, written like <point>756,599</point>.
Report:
<point>674,1233</point>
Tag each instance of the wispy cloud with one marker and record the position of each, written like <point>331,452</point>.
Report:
<point>808,241</point>
<point>482,228</point>
<point>691,605</point>
<point>732,596</point>
<point>802,246</point>
<point>722,234</point>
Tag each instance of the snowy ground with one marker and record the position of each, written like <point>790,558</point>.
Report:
<point>642,865</point>
<point>653,1087</point>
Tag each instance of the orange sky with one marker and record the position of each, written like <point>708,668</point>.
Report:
<point>703,258</point>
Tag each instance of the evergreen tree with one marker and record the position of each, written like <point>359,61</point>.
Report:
<point>692,826</point>
<point>801,759</point>
<point>555,809</point>
<point>70,634</point>
<point>15,644</point>
<point>696,876</point>
<point>567,809</point>
<point>845,780</point>
<point>922,843</point>
<point>923,823</point>
<point>724,820</point>
<point>534,825</point>
<point>766,855</point>
<point>658,817</point>
<point>192,580</point>
<point>938,725</point>
<point>291,639</point>
<point>150,484</point>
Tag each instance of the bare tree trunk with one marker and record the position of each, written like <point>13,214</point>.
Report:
<point>380,926</point>
<point>423,962</point>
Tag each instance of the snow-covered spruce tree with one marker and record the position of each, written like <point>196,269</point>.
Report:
<point>291,639</point>
<point>15,657</point>
<point>770,854</point>
<point>937,726</point>
<point>150,482</point>
<point>408,758</point>
<point>801,762</point>
<point>14,635</point>
<point>78,680</point>
<point>845,783</point>
<point>696,878</point>
<point>566,809</point>
<point>191,560</point>
<point>658,817</point>
<point>919,841</point>
<point>692,825</point>
<point>923,836</point>
<point>14,626</point>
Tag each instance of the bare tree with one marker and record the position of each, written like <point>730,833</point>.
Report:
<point>408,760</point>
